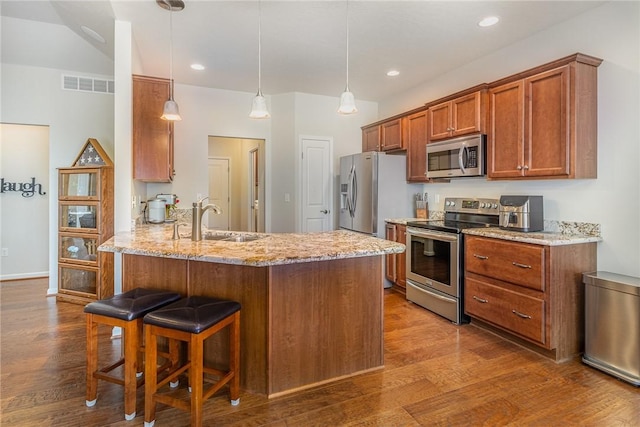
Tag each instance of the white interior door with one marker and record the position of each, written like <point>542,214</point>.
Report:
<point>219,193</point>
<point>317,190</point>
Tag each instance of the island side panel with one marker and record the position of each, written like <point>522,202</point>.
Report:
<point>326,321</point>
<point>154,273</point>
<point>248,286</point>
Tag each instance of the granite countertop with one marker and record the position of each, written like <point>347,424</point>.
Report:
<point>402,221</point>
<point>547,238</point>
<point>270,249</point>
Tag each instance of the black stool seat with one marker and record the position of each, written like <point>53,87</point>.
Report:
<point>132,304</point>
<point>192,314</point>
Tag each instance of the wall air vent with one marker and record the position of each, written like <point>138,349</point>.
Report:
<point>88,84</point>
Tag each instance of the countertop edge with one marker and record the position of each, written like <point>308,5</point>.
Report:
<point>544,238</point>
<point>273,249</point>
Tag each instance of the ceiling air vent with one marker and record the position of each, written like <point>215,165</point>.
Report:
<point>87,84</point>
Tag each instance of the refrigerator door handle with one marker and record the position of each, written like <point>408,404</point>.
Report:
<point>354,192</point>
<point>348,200</point>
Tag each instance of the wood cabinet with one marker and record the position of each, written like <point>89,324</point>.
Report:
<point>543,122</point>
<point>401,258</point>
<point>390,232</point>
<point>152,136</point>
<point>415,128</point>
<point>370,138</point>
<point>529,293</point>
<point>396,264</point>
<point>85,220</point>
<point>303,324</point>
<point>391,135</point>
<point>383,136</point>
<point>460,114</point>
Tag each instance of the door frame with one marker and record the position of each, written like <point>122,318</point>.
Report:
<point>299,174</point>
<point>229,186</point>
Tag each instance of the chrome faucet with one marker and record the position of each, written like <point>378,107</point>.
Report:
<point>197,211</point>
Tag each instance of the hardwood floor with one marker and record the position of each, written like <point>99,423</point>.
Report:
<point>435,373</point>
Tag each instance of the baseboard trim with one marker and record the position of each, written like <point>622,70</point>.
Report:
<point>24,276</point>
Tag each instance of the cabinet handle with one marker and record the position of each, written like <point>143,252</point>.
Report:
<point>517,264</point>
<point>480,256</point>
<point>483,301</point>
<point>524,316</point>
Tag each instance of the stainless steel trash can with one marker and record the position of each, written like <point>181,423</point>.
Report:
<point>612,324</point>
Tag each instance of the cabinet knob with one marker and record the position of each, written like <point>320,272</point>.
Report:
<point>519,167</point>
<point>525,167</point>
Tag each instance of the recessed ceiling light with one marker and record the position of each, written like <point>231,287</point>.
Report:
<point>393,73</point>
<point>489,21</point>
<point>97,37</point>
<point>198,67</point>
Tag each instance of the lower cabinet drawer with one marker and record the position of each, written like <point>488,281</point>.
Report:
<point>521,314</point>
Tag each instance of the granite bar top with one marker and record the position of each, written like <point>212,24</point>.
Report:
<point>269,249</point>
<point>547,238</point>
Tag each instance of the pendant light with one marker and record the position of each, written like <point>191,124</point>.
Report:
<point>347,100</point>
<point>170,110</point>
<point>259,105</point>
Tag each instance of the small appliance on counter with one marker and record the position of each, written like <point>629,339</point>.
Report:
<point>521,213</point>
<point>157,211</point>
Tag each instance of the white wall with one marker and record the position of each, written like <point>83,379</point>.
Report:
<point>24,217</point>
<point>317,116</point>
<point>610,32</point>
<point>33,95</point>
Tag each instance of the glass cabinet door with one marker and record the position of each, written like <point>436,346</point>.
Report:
<point>82,249</point>
<point>78,217</point>
<point>78,279</point>
<point>79,184</point>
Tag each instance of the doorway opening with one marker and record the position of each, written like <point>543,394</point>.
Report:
<point>242,183</point>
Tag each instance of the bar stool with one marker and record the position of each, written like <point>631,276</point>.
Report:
<point>126,311</point>
<point>192,320</point>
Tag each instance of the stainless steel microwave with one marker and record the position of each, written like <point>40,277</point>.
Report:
<point>458,157</point>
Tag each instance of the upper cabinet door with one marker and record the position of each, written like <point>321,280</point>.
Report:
<point>371,138</point>
<point>505,144</point>
<point>466,114</point>
<point>152,136</point>
<point>391,135</point>
<point>547,123</point>
<point>416,140</point>
<point>440,121</point>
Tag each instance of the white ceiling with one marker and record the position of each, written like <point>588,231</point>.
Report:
<point>303,42</point>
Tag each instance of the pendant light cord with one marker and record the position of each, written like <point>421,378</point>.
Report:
<point>170,51</point>
<point>347,89</point>
<point>259,48</point>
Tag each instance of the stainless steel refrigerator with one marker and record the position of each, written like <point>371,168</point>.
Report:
<point>373,188</point>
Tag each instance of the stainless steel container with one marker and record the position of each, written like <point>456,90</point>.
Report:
<point>156,211</point>
<point>612,324</point>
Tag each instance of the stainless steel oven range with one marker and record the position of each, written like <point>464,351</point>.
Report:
<point>435,255</point>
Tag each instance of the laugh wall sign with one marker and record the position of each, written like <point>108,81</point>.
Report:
<point>26,189</point>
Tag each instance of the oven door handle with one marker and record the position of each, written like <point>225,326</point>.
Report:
<point>431,234</point>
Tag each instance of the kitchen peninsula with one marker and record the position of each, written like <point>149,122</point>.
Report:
<point>312,307</point>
